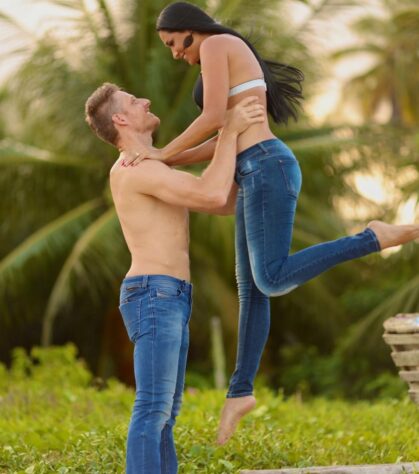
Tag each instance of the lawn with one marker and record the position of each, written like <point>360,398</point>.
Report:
<point>55,419</point>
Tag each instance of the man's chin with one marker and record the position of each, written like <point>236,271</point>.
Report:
<point>155,124</point>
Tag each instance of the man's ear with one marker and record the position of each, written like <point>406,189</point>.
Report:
<point>119,119</point>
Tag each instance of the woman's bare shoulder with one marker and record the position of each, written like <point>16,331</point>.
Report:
<point>222,40</point>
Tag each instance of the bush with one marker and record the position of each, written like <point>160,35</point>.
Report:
<point>309,373</point>
<point>56,419</point>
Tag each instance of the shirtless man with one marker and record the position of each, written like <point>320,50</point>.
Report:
<point>152,202</point>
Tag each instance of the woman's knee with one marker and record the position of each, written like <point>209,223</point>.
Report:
<point>272,288</point>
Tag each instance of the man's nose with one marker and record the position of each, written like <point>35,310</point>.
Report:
<point>176,54</point>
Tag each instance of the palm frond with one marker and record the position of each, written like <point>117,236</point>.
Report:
<point>17,154</point>
<point>111,42</point>
<point>100,256</point>
<point>317,144</point>
<point>369,48</point>
<point>367,333</point>
<point>12,22</point>
<point>34,263</point>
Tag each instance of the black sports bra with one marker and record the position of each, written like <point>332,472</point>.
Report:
<point>198,92</point>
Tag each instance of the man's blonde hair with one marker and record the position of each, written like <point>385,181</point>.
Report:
<point>99,108</point>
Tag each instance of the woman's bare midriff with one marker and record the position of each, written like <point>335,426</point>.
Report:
<point>255,133</point>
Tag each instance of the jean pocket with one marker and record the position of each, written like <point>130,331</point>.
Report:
<point>167,292</point>
<point>291,174</point>
<point>131,293</point>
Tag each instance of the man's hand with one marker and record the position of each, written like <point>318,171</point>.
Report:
<point>142,152</point>
<point>245,113</point>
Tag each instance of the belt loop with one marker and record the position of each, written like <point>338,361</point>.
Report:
<point>144,282</point>
<point>263,148</point>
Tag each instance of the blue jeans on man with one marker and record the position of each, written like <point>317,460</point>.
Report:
<point>156,310</point>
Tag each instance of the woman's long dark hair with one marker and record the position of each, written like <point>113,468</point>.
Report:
<point>283,81</point>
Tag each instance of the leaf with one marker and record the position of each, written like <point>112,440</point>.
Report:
<point>226,464</point>
<point>37,256</point>
<point>15,153</point>
<point>99,256</point>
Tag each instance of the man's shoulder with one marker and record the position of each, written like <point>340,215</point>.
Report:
<point>147,167</point>
<point>126,169</point>
<point>141,174</point>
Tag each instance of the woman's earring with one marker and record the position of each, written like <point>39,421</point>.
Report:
<point>187,41</point>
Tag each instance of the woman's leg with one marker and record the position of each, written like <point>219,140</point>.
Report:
<point>254,322</point>
<point>265,210</point>
<point>270,199</point>
<point>254,314</point>
<point>270,180</point>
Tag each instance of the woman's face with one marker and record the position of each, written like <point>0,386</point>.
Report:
<point>183,44</point>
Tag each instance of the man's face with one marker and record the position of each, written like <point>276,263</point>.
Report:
<point>135,112</point>
<point>176,42</point>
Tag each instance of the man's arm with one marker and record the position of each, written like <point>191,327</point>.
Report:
<point>208,191</point>
<point>212,188</point>
<point>229,208</point>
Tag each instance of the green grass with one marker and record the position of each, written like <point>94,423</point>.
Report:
<point>52,419</point>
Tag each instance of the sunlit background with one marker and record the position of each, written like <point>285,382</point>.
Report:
<point>62,255</point>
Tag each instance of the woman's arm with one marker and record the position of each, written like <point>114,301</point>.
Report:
<point>203,152</point>
<point>215,76</point>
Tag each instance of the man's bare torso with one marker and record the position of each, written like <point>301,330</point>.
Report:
<point>157,233</point>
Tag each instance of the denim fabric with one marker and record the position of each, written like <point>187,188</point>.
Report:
<point>156,310</point>
<point>269,180</point>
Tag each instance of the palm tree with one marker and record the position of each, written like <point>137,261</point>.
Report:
<point>391,43</point>
<point>64,249</point>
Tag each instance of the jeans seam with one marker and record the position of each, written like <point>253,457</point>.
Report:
<point>234,395</point>
<point>265,269</point>
<point>138,321</point>
<point>374,236</point>
<point>253,285</point>
<point>286,180</point>
<point>152,358</point>
<point>231,394</point>
<point>165,450</point>
<point>245,335</point>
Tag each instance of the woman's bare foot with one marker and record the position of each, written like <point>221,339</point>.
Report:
<point>234,409</point>
<point>389,235</point>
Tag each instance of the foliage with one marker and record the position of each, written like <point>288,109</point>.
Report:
<point>48,93</point>
<point>309,373</point>
<point>62,254</point>
<point>390,40</point>
<point>57,418</point>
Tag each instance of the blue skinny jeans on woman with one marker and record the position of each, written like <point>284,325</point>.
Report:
<point>269,180</point>
<point>156,310</point>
